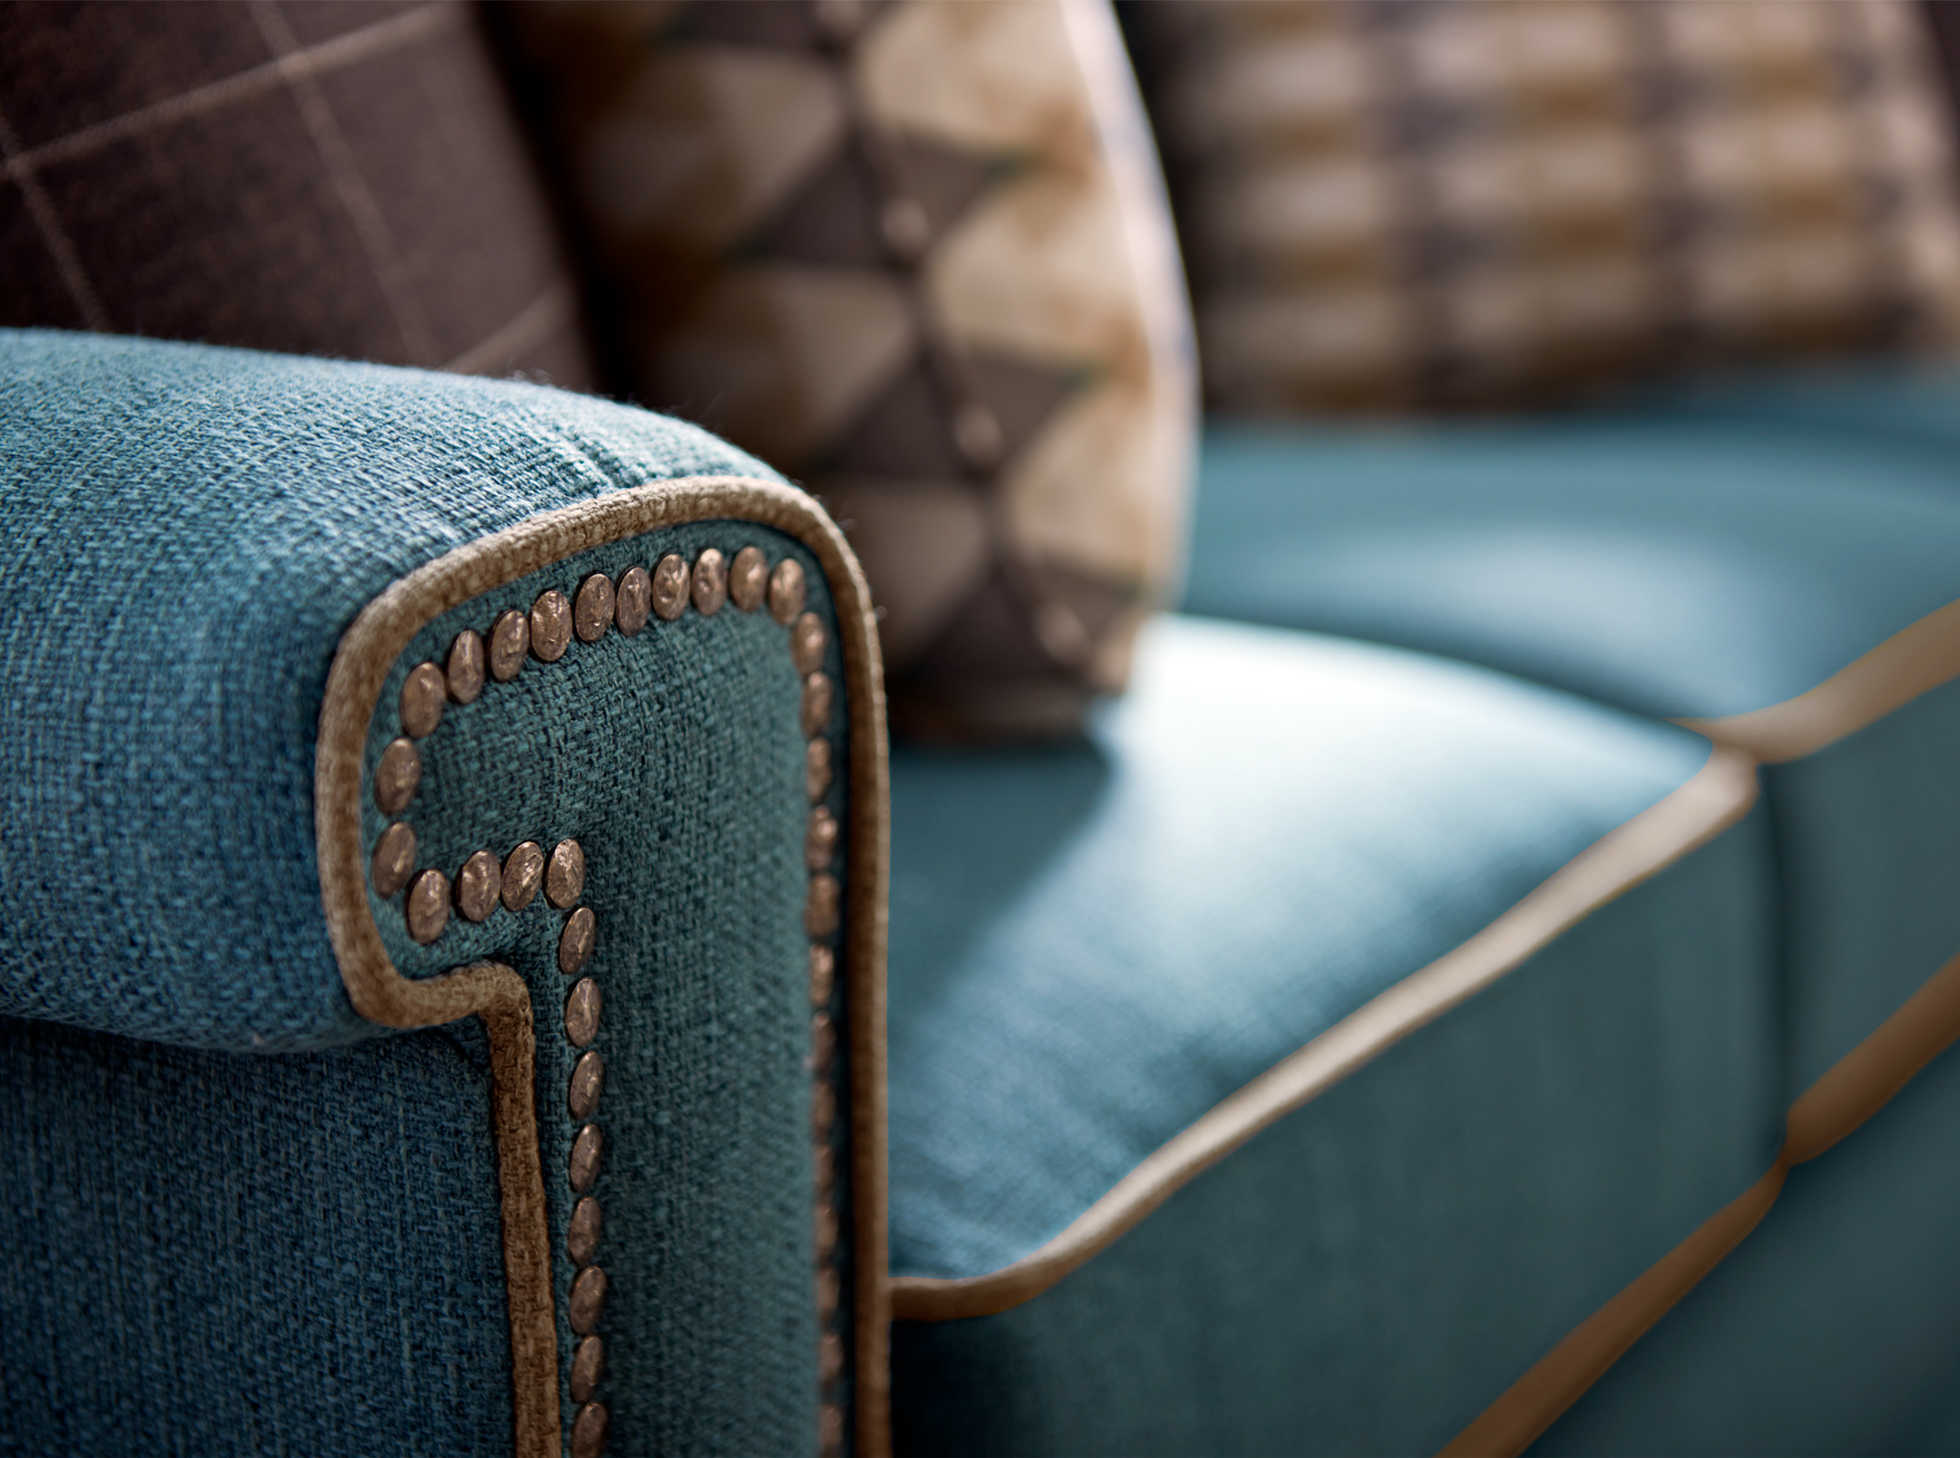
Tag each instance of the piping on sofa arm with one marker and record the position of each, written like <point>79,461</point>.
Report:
<point>344,700</point>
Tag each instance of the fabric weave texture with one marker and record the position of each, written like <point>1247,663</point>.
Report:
<point>191,530</point>
<point>302,175</point>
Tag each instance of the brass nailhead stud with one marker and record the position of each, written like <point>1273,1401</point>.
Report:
<point>582,1232</point>
<point>510,643</point>
<point>806,643</point>
<point>823,972</point>
<point>823,1108</point>
<point>523,874</point>
<point>826,1230</point>
<point>830,1359</point>
<point>589,1431</point>
<point>423,695</point>
<point>710,582</point>
<point>588,1362</point>
<point>394,859</point>
<point>818,692</point>
<point>829,1289</point>
<point>575,942</point>
<point>588,1299</point>
<point>670,586</point>
<point>830,1428</point>
<point>478,885</point>
<point>564,878</point>
<point>748,579</point>
<point>823,1040</point>
<point>396,776</point>
<point>582,1012</point>
<point>820,840</point>
<point>820,912</point>
<point>588,1148</point>
<point>786,591</point>
<point>826,1163</point>
<point>428,906</point>
<point>588,1078</point>
<point>551,626</point>
<point>633,601</point>
<point>592,609</point>
<point>466,666</point>
<point>816,768</point>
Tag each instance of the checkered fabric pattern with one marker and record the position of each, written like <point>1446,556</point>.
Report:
<point>1405,205</point>
<point>314,176</point>
<point>916,255</point>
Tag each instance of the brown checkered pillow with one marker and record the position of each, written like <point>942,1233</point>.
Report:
<point>315,176</point>
<point>1403,205</point>
<point>915,255</point>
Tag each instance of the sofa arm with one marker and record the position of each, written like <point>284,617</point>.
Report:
<point>342,699</point>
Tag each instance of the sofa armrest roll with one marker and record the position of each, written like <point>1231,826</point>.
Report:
<point>441,953</point>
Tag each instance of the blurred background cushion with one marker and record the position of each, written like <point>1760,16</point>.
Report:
<point>916,256</point>
<point>299,175</point>
<point>1406,206</point>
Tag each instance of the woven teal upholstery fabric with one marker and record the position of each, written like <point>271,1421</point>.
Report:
<point>1092,945</point>
<point>190,530</point>
<point>187,532</point>
<point>1831,1331</point>
<point>206,1252</point>
<point>1710,553</point>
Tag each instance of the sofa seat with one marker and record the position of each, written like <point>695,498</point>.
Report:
<point>1288,1064</point>
<point>1777,561</point>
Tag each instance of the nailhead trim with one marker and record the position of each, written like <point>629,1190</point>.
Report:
<point>545,631</point>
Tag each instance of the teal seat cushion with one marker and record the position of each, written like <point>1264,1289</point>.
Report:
<point>1095,945</point>
<point>1707,554</point>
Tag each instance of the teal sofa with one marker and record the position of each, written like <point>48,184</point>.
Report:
<point>1421,1015</point>
<point>1530,854</point>
<point>475,978</point>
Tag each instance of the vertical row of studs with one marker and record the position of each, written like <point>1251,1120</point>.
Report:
<point>482,883</point>
<point>822,916</point>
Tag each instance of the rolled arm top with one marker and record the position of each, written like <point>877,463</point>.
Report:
<point>188,533</point>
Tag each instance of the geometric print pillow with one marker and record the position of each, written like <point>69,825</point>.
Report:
<point>916,256</point>
<point>1411,206</point>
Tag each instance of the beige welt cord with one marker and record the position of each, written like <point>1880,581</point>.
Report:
<point>1911,662</point>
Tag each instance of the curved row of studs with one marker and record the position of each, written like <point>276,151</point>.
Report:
<point>482,883</point>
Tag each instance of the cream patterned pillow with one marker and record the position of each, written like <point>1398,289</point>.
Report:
<point>916,256</point>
